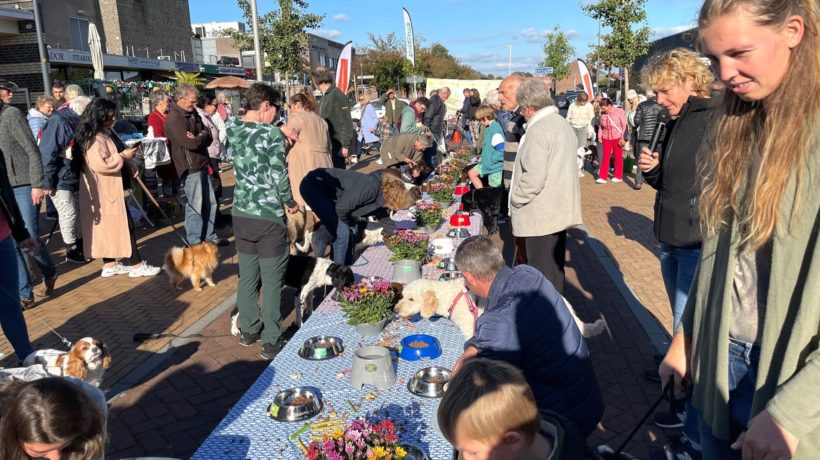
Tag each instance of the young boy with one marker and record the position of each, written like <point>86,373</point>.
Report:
<point>489,413</point>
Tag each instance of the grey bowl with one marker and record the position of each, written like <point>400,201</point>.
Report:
<point>287,406</point>
<point>321,347</point>
<point>430,382</point>
<point>449,276</point>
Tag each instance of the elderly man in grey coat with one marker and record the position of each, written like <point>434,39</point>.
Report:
<point>545,195</point>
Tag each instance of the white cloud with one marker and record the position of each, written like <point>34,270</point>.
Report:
<point>341,17</point>
<point>660,32</point>
<point>533,36</point>
<point>330,34</point>
<point>500,65</point>
<point>572,33</point>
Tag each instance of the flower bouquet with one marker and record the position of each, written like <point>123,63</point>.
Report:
<point>428,214</point>
<point>442,191</point>
<point>407,245</point>
<point>370,301</point>
<point>359,440</point>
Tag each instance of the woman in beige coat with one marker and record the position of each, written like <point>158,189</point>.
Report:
<point>107,227</point>
<point>311,150</point>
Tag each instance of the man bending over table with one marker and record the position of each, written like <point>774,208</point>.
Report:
<point>527,324</point>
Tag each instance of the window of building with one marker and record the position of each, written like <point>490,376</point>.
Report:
<point>331,63</point>
<point>322,58</point>
<point>79,33</point>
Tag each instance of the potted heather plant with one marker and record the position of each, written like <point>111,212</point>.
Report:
<point>361,439</point>
<point>442,192</point>
<point>368,305</point>
<point>428,215</point>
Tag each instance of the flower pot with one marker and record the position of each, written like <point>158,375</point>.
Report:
<point>370,329</point>
<point>406,271</point>
<point>372,366</point>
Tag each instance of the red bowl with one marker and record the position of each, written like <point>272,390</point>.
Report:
<point>460,219</point>
<point>461,190</point>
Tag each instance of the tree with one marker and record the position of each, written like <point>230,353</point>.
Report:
<point>282,37</point>
<point>490,76</point>
<point>629,34</point>
<point>558,52</point>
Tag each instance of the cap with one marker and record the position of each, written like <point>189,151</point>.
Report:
<point>631,94</point>
<point>11,86</point>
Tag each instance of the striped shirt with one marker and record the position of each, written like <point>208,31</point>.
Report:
<point>512,136</point>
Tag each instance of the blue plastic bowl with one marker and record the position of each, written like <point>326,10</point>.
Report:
<point>431,351</point>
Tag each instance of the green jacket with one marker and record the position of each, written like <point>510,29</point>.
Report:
<point>334,107</point>
<point>396,149</point>
<point>408,121</point>
<point>262,184</point>
<point>393,116</point>
<point>789,370</point>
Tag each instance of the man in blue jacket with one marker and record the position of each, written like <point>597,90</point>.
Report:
<point>527,324</point>
<point>61,173</point>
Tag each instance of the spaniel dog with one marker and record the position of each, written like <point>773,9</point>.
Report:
<point>87,360</point>
<point>450,299</point>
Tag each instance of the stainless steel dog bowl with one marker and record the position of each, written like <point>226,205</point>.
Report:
<point>321,347</point>
<point>430,382</point>
<point>448,264</point>
<point>294,405</point>
<point>449,276</point>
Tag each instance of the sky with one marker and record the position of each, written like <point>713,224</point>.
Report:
<point>477,32</point>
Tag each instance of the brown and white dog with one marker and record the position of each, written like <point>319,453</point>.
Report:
<point>196,263</point>
<point>450,299</point>
<point>87,360</point>
<point>300,229</point>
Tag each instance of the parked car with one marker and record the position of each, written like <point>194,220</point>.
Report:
<point>357,110</point>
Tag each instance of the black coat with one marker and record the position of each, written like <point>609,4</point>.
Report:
<point>8,205</point>
<point>676,204</point>
<point>434,115</point>
<point>646,118</point>
<point>355,195</point>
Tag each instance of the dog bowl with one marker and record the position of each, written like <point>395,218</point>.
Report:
<point>460,219</point>
<point>449,276</point>
<point>294,405</point>
<point>372,366</point>
<point>448,264</point>
<point>461,189</point>
<point>458,233</point>
<point>417,346</point>
<point>430,382</point>
<point>321,347</point>
<point>443,246</point>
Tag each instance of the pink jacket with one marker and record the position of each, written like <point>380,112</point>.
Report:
<point>613,124</point>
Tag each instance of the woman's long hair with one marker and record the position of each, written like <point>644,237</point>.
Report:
<point>396,195</point>
<point>779,128</point>
<point>50,410</point>
<point>92,122</point>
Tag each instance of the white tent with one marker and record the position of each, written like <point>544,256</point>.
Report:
<point>95,47</point>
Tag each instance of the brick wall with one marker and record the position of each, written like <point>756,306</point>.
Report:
<point>20,61</point>
<point>156,24</point>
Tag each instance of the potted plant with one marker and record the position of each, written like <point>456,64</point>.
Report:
<point>368,304</point>
<point>428,215</point>
<point>407,245</point>
<point>361,439</point>
<point>442,191</point>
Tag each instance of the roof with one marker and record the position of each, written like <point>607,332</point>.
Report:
<point>14,13</point>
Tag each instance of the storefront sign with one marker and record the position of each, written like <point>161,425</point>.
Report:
<point>232,71</point>
<point>186,66</point>
<point>207,68</point>
<point>59,56</point>
<point>69,56</point>
<point>250,73</point>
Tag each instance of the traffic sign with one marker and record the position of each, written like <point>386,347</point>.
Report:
<point>543,71</point>
<point>365,77</point>
<point>415,79</point>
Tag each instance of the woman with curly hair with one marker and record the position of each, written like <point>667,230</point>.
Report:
<point>748,336</point>
<point>50,418</point>
<point>341,197</point>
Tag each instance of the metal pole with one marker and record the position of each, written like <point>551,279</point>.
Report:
<point>256,49</point>
<point>509,64</point>
<point>41,46</point>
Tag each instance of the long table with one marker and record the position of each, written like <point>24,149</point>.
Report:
<point>247,432</point>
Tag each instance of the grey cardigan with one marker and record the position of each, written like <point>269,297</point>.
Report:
<point>545,195</point>
<point>23,163</point>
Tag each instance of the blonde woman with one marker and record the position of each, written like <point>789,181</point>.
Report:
<point>748,336</point>
<point>312,149</point>
<point>580,116</point>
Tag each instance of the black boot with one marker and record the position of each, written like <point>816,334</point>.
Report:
<point>74,253</point>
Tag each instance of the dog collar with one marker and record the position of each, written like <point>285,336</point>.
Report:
<point>470,305</point>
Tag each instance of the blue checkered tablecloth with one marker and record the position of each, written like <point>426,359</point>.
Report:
<point>247,432</point>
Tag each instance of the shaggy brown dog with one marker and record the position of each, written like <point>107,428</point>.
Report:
<point>300,229</point>
<point>196,263</point>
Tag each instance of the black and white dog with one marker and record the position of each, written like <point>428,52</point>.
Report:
<point>305,274</point>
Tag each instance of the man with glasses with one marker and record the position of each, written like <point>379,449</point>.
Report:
<point>189,140</point>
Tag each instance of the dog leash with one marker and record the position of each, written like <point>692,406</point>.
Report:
<point>161,211</point>
<point>64,340</point>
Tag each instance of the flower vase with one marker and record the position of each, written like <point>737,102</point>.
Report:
<point>370,329</point>
<point>406,271</point>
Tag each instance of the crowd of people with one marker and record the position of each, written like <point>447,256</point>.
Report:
<point>736,219</point>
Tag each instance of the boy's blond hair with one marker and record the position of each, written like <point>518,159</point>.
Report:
<point>486,400</point>
<point>485,112</point>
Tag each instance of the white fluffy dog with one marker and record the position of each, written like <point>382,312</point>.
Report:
<point>443,298</point>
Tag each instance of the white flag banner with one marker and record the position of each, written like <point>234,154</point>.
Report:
<point>409,40</point>
<point>343,68</point>
<point>586,80</point>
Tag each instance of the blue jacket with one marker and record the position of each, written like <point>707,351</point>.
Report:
<point>527,324</point>
<point>59,172</point>
<point>492,152</point>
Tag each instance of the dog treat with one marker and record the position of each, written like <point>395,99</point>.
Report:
<point>322,345</point>
<point>435,379</point>
<point>418,344</point>
<point>298,401</point>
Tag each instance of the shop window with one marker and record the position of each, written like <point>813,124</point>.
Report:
<point>79,33</point>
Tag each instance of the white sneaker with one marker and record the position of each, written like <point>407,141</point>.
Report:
<point>354,160</point>
<point>615,179</point>
<point>143,269</point>
<point>600,181</point>
<point>581,174</point>
<point>117,269</point>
